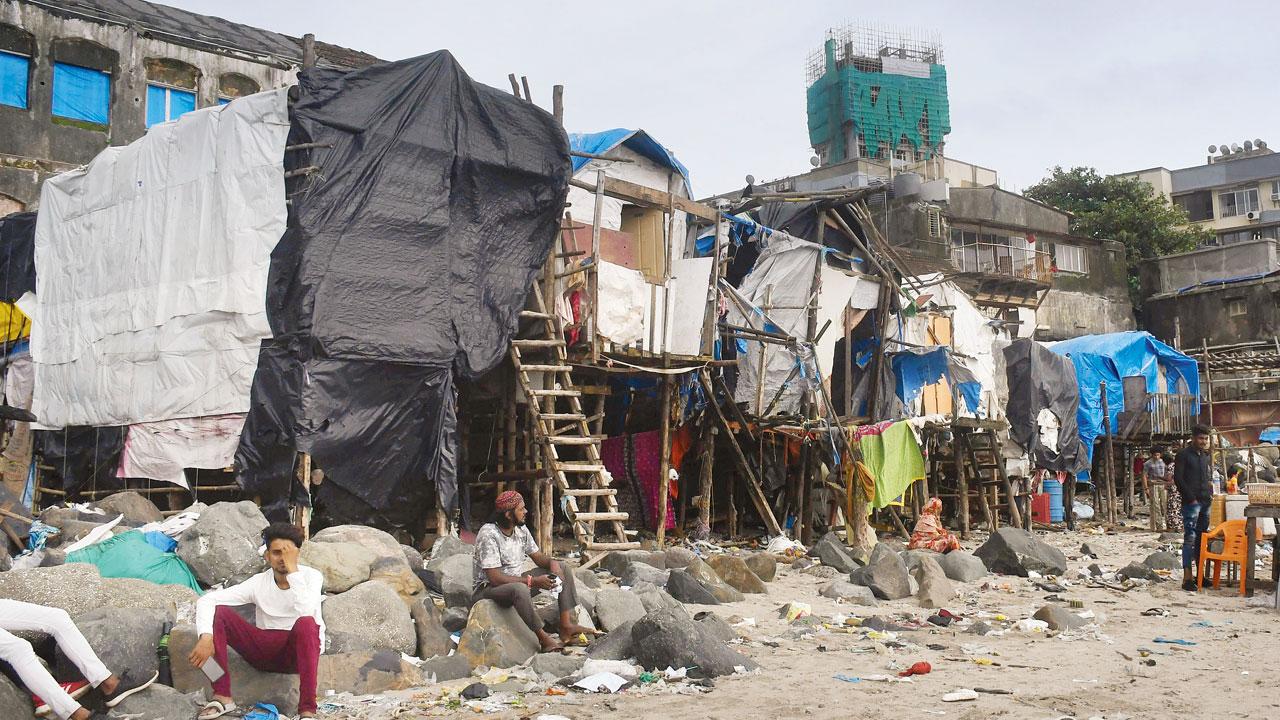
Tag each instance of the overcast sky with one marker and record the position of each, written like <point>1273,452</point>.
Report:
<point>1119,84</point>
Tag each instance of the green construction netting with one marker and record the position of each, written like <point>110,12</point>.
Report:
<point>845,95</point>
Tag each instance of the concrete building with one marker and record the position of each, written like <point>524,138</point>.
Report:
<point>77,76</point>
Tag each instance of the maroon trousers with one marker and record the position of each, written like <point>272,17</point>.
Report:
<point>279,651</point>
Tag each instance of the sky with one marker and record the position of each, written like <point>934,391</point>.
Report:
<point>1117,85</point>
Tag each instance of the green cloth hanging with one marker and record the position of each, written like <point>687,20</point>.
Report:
<point>895,461</point>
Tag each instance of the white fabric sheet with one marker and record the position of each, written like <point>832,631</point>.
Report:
<point>152,270</point>
<point>910,68</point>
<point>623,295</point>
<point>689,284</point>
<point>160,450</point>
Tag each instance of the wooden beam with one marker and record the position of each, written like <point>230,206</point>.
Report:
<point>649,197</point>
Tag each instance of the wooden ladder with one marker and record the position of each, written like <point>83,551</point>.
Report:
<point>984,471</point>
<point>560,424</point>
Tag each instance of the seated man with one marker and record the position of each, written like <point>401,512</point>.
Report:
<point>288,633</point>
<point>50,695</point>
<point>501,549</point>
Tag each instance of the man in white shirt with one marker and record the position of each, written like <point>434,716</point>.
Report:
<point>288,633</point>
<point>501,549</point>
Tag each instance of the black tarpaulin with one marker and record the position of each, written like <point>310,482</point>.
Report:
<point>81,458</point>
<point>17,255</point>
<point>408,256</point>
<point>1040,379</point>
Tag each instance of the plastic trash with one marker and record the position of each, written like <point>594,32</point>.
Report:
<point>1032,625</point>
<point>847,678</point>
<point>795,610</point>
<point>920,668</point>
<point>606,681</point>
<point>783,545</point>
<point>960,695</point>
<point>1174,641</point>
<point>1082,511</point>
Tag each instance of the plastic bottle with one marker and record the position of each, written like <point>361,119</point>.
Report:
<point>162,653</point>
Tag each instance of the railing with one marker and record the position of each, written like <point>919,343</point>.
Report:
<point>1007,260</point>
<point>1171,413</point>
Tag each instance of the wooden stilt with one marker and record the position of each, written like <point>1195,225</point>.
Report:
<point>664,462</point>
<point>754,489</point>
<point>706,472</point>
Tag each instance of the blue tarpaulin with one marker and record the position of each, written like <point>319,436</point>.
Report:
<point>916,368</point>
<point>1115,356</point>
<point>81,93</point>
<point>1270,435</point>
<point>165,104</point>
<point>639,141</point>
<point>14,70</point>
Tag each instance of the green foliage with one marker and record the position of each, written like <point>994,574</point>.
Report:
<point>1123,209</point>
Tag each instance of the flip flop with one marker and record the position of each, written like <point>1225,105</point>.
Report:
<point>215,709</point>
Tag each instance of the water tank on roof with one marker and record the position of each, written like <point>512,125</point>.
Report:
<point>907,184</point>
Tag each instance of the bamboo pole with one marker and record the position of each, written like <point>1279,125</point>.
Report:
<point>705,473</point>
<point>1108,456</point>
<point>664,464</point>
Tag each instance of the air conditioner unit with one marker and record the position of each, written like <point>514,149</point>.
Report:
<point>1275,197</point>
<point>1254,216</point>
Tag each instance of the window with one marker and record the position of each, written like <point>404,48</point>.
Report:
<point>1275,191</point>
<point>935,222</point>
<point>1198,205</point>
<point>81,93</point>
<point>1237,307</point>
<point>15,69</point>
<point>1070,258</point>
<point>166,103</point>
<point>1238,202</point>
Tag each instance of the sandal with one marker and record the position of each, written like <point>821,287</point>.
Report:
<point>215,709</point>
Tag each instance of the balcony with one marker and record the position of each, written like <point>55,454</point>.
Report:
<point>1003,275</point>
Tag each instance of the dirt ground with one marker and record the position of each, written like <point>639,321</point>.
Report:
<point>1111,670</point>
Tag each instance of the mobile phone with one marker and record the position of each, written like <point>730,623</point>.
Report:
<point>212,670</point>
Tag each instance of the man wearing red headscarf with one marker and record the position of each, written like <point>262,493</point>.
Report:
<point>501,549</point>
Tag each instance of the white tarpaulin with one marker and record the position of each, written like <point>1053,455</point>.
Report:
<point>899,66</point>
<point>623,294</point>
<point>160,450</point>
<point>689,284</point>
<point>152,270</point>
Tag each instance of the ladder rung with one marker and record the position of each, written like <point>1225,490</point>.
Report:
<point>571,440</point>
<point>590,492</point>
<point>546,368</point>
<point>531,315</point>
<point>612,545</point>
<point>556,393</point>
<point>600,516</point>
<point>562,416</point>
<point>537,343</point>
<point>579,467</point>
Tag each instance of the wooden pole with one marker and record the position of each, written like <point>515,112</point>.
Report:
<point>593,275</point>
<point>308,51</point>
<point>764,348</point>
<point>704,477</point>
<point>664,462</point>
<point>557,103</point>
<point>1108,457</point>
<point>1128,481</point>
<point>524,82</point>
<point>1208,389</point>
<point>515,84</point>
<point>754,489</point>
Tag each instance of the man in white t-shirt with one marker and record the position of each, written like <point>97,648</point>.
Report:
<point>287,635</point>
<point>501,549</point>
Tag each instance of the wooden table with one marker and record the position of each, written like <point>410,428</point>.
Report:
<point>1251,514</point>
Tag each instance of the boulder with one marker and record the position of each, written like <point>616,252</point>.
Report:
<point>158,702</point>
<point>496,636</point>
<point>366,672</point>
<point>886,575</point>
<point>397,574</point>
<point>428,626</point>
<point>1014,551</point>
<point>763,564</point>
<point>369,616</point>
<point>76,588</point>
<point>670,638</point>
<point>413,557</point>
<point>448,546</point>
<point>125,640</point>
<point>457,580</point>
<point>849,593</point>
<point>911,558</point>
<point>586,577</point>
<point>454,619</point>
<point>801,563</point>
<point>1163,561</point>
<point>825,572</point>
<point>936,590</point>
<point>615,607</point>
<point>556,665</point>
<point>344,565</point>
<point>638,572</point>
<point>733,570</point>
<point>248,684</point>
<point>137,510</point>
<point>716,626</point>
<point>962,566</point>
<point>678,557</point>
<point>1059,618</point>
<point>832,551</point>
<point>170,600</point>
<point>222,545</point>
<point>705,575</point>
<point>617,562</point>
<point>73,530</point>
<point>444,668</point>
<point>1086,550</point>
<point>15,702</point>
<point>379,542</point>
<point>616,645</point>
<point>657,598</point>
<point>686,588</point>
<point>1139,571</point>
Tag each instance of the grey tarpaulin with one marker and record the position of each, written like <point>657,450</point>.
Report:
<point>1040,379</point>
<point>407,259</point>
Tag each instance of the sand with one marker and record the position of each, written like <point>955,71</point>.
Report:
<point>1231,671</point>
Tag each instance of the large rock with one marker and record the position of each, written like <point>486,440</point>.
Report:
<point>170,600</point>
<point>617,562</point>
<point>496,636</point>
<point>1163,561</point>
<point>428,626</point>
<point>733,570</point>
<point>456,574</point>
<point>1139,571</point>
<point>447,547</point>
<point>586,577</point>
<point>831,550</point>
<point>125,641</point>
<point>137,510</point>
<point>962,566</point>
<point>716,626</point>
<point>454,619</point>
<point>763,564</point>
<point>76,588</point>
<point>366,672</point>
<point>705,575</point>
<point>936,590</point>
<point>158,702</point>
<point>686,588</point>
<point>678,557</point>
<point>396,573</point>
<point>657,598</point>
<point>248,684</point>
<point>849,593</point>
<point>222,545</point>
<point>378,541</point>
<point>1014,551</point>
<point>616,607</point>
<point>616,645</point>
<point>344,565</point>
<point>886,575</point>
<point>369,616</point>
<point>556,665</point>
<point>1059,618</point>
<point>413,557</point>
<point>444,668</point>
<point>670,638</point>
<point>15,702</point>
<point>638,572</point>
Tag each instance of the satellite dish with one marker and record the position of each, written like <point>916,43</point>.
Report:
<point>1226,149</point>
<point>751,179</point>
<point>1235,148</point>
<point>1213,149</point>
<point>1258,143</point>
<point>1248,145</point>
<point>815,161</point>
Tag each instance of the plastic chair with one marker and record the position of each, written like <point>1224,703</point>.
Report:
<point>1235,549</point>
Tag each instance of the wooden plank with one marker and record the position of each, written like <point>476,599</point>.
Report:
<point>649,197</point>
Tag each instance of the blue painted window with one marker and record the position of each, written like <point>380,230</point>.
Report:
<point>81,93</point>
<point>166,103</point>
<point>14,71</point>
<point>223,101</point>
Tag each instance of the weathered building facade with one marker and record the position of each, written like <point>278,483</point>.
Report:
<point>79,76</point>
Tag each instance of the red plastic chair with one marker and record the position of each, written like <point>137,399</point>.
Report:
<point>1235,549</point>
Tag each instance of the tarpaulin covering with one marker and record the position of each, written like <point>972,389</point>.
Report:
<point>17,255</point>
<point>1040,379</point>
<point>160,450</point>
<point>1114,356</point>
<point>408,257</point>
<point>83,458</point>
<point>150,295</point>
<point>81,93</point>
<point>600,143</point>
<point>131,555</point>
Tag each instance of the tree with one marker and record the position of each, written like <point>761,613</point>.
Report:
<point>1123,209</point>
